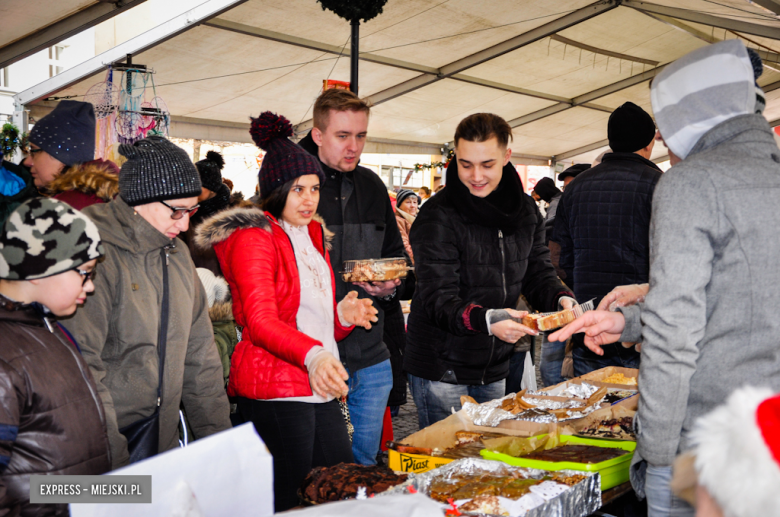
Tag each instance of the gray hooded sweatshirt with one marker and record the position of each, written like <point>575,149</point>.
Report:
<point>709,324</point>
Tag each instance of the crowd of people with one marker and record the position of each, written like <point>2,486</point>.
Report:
<point>146,303</point>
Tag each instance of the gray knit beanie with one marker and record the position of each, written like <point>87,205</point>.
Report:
<point>156,170</point>
<point>45,237</point>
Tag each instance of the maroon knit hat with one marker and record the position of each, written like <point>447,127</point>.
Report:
<point>284,159</point>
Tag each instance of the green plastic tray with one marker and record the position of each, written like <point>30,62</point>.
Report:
<point>613,472</point>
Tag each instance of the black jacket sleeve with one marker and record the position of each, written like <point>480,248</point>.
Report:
<point>437,268</point>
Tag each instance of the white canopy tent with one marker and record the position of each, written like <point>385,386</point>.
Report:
<point>554,70</point>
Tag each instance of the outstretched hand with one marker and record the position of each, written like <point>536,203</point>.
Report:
<point>623,296</point>
<point>358,311</point>
<point>600,328</point>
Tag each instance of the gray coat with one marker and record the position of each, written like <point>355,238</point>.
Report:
<point>709,324</point>
<point>117,331</point>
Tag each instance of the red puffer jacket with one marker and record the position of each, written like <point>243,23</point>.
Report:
<point>257,259</point>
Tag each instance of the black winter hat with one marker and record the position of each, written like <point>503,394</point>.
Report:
<point>284,159</point>
<point>156,170</point>
<point>630,129</point>
<point>67,133</point>
<point>574,171</point>
<point>210,170</point>
<point>545,188</point>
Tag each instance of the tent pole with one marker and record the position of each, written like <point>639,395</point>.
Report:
<point>354,55</point>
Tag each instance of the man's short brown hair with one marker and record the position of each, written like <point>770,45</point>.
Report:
<point>481,127</point>
<point>338,100</point>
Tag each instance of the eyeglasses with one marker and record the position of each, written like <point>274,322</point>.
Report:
<point>85,275</point>
<point>178,213</point>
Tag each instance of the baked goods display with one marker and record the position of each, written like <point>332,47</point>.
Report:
<point>484,504</point>
<point>617,395</point>
<point>374,270</point>
<point>468,446</point>
<point>343,480</point>
<point>615,428</point>
<point>512,486</point>
<point>549,321</point>
<point>576,454</point>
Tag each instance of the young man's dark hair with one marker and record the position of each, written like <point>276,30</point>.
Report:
<point>481,127</point>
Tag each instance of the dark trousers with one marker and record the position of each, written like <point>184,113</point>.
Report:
<point>300,436</point>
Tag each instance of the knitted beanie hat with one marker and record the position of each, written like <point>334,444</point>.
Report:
<point>210,170</point>
<point>156,170</point>
<point>284,160</point>
<point>67,133</point>
<point>217,290</point>
<point>45,237</point>
<point>545,188</point>
<point>403,194</point>
<point>630,129</point>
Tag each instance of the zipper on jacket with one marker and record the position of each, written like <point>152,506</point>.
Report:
<point>503,283</point>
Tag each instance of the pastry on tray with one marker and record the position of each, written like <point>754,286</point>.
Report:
<point>576,454</point>
<point>484,504</point>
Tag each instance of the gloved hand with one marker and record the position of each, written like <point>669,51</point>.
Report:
<point>506,324</point>
<point>327,375</point>
<point>357,311</point>
<point>623,296</point>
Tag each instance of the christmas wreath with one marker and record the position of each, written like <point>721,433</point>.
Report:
<point>352,10</point>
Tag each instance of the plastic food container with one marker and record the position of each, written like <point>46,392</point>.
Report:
<point>374,270</point>
<point>613,472</point>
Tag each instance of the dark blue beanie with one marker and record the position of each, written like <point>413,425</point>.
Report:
<point>67,133</point>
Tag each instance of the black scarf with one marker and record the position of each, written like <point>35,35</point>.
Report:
<point>501,209</point>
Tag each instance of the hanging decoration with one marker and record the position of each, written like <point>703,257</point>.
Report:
<point>127,108</point>
<point>10,140</point>
<point>447,153</point>
<point>354,10</point>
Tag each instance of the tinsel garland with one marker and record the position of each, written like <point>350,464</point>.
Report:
<point>354,9</point>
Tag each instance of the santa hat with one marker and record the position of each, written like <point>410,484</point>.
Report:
<point>737,449</point>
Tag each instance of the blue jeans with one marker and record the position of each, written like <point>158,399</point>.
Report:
<point>660,500</point>
<point>435,400</point>
<point>369,389</point>
<point>586,361</point>
<point>553,353</point>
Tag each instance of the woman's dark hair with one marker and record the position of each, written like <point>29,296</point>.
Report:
<point>275,201</point>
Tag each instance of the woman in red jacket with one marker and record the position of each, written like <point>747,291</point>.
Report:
<point>286,370</point>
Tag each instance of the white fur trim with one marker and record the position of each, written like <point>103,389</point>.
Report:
<point>733,461</point>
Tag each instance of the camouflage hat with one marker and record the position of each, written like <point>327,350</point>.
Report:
<point>45,237</point>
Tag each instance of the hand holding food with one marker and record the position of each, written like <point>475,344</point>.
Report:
<point>357,311</point>
<point>504,325</point>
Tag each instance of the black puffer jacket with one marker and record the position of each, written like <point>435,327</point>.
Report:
<point>51,417</point>
<point>463,257</point>
<point>603,224</point>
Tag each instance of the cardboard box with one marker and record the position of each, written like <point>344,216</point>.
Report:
<point>441,435</point>
<point>595,377</point>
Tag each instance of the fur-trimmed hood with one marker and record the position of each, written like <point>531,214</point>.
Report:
<point>95,178</point>
<point>221,311</point>
<point>220,226</point>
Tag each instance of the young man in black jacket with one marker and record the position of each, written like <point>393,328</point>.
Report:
<point>356,207</point>
<point>481,244</point>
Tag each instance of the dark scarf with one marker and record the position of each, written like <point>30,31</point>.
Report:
<point>213,205</point>
<point>501,209</point>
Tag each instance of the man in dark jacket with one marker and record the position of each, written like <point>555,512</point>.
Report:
<point>478,245</point>
<point>603,224</point>
<point>356,207</point>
